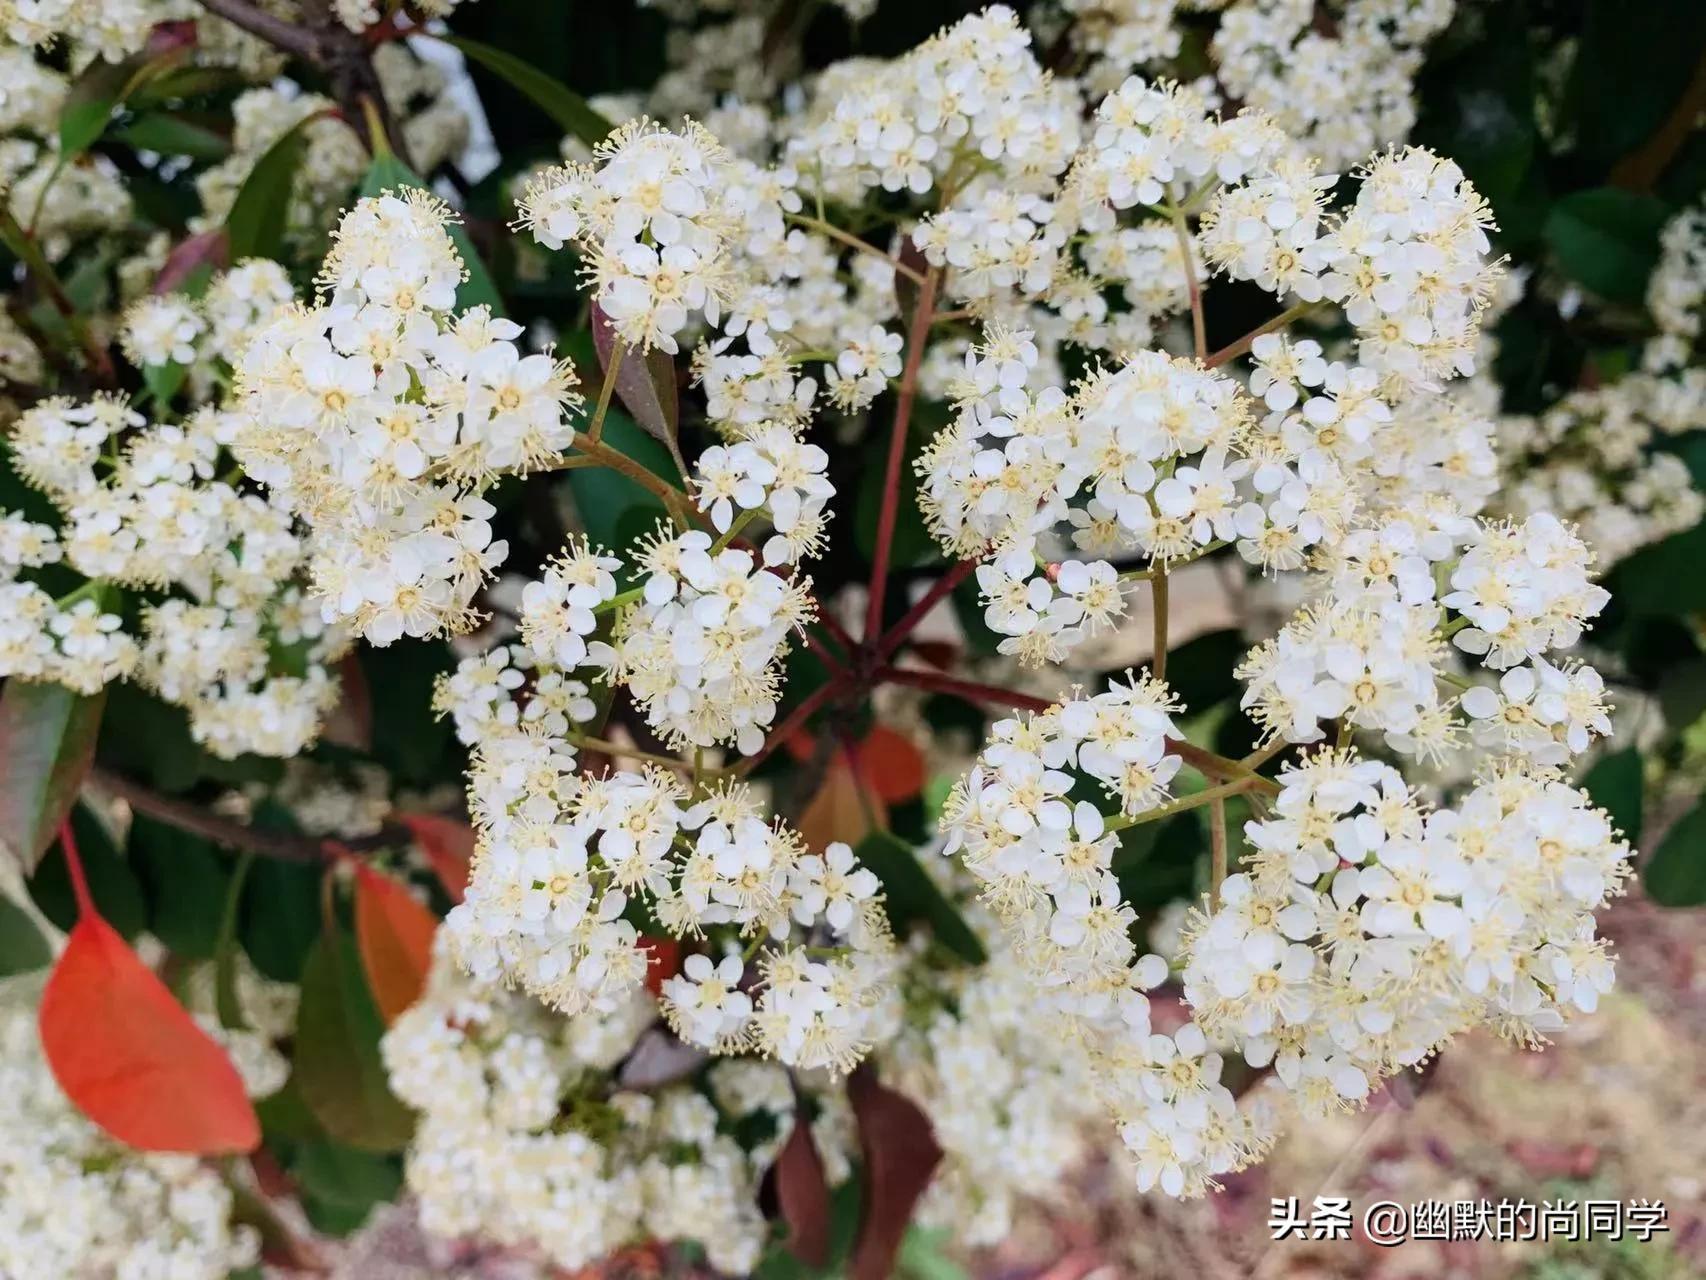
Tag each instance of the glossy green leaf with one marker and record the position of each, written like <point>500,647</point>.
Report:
<point>557,100</point>
<point>388,173</point>
<point>278,920</point>
<point>345,1181</point>
<point>185,882</point>
<point>47,740</point>
<point>1614,784</point>
<point>91,101</point>
<point>909,895</point>
<point>1607,240</point>
<point>256,223</point>
<point>338,1068</point>
<point>1675,874</point>
<point>174,135</point>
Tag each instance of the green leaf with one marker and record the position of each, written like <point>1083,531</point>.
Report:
<point>387,173</point>
<point>1615,784</point>
<point>255,226</point>
<point>338,1067</point>
<point>163,382</point>
<point>112,881</point>
<point>174,135</point>
<point>22,948</point>
<point>345,1179</point>
<point>910,894</point>
<point>1675,874</point>
<point>90,104</point>
<point>1607,240</point>
<point>47,739</point>
<point>557,100</point>
<point>1664,578</point>
<point>408,739</point>
<point>185,881</point>
<point>279,917</point>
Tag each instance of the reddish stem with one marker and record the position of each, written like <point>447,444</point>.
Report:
<point>795,721</point>
<point>74,867</point>
<point>824,653</point>
<point>915,342</point>
<point>967,689</point>
<point>837,632</point>
<point>895,635</point>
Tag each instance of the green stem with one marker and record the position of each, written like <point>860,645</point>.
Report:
<point>1235,349</point>
<point>606,389</point>
<point>854,242</point>
<point>1183,804</point>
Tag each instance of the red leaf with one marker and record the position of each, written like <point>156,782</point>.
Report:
<point>900,1156</point>
<point>131,1059</point>
<point>394,933</point>
<point>645,381</point>
<point>892,765</point>
<point>448,845</point>
<point>802,1193</point>
<point>663,960</point>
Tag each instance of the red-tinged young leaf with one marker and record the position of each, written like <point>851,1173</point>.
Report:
<point>448,845</point>
<point>837,811</point>
<point>663,961</point>
<point>394,933</point>
<point>130,1057</point>
<point>891,764</point>
<point>199,256</point>
<point>645,381</point>
<point>802,1194</point>
<point>900,1155</point>
<point>47,740</point>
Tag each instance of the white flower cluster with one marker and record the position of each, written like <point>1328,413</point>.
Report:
<point>380,416</point>
<point>653,217</point>
<point>1368,931</point>
<point>80,1204</point>
<point>1407,261</point>
<point>1339,77</point>
<point>172,328</point>
<point>972,96</point>
<point>526,1136</point>
<point>567,862</point>
<point>141,509</point>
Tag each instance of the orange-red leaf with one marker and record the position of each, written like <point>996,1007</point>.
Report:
<point>663,960</point>
<point>892,765</point>
<point>448,845</point>
<point>836,811</point>
<point>131,1059</point>
<point>394,932</point>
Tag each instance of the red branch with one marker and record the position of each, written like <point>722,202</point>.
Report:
<point>74,867</point>
<point>916,339</point>
<point>967,689</point>
<point>893,637</point>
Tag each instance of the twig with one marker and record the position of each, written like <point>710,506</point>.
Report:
<point>917,337</point>
<point>1232,350</point>
<point>1217,851</point>
<point>795,720</point>
<point>188,816</point>
<point>895,635</point>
